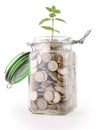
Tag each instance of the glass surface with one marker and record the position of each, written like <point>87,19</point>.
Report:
<point>52,81</point>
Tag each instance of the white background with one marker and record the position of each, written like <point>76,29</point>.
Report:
<point>18,25</point>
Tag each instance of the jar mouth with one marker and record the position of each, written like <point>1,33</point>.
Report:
<point>56,39</point>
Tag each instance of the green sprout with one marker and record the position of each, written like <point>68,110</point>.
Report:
<point>52,17</point>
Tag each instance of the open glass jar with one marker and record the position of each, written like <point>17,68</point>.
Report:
<point>52,80</point>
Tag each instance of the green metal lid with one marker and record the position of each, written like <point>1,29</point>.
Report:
<point>18,68</point>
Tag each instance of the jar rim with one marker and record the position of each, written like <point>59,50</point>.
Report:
<point>56,39</point>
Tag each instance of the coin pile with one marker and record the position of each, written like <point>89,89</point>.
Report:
<point>49,76</point>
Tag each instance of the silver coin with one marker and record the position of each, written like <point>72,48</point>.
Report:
<point>46,57</point>
<point>48,95</point>
<point>39,59</point>
<point>39,76</point>
<point>42,104</point>
<point>45,75</point>
<point>52,66</point>
<point>33,95</point>
<point>33,63</point>
<point>33,106</point>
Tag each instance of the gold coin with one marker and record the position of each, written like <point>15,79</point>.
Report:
<point>62,107</point>
<point>33,95</point>
<point>52,66</point>
<point>60,77</point>
<point>57,97</point>
<point>60,89</point>
<point>39,76</point>
<point>62,71</point>
<point>46,57</point>
<point>48,95</point>
<point>53,106</point>
<point>42,104</point>
<point>53,76</point>
<point>60,58</point>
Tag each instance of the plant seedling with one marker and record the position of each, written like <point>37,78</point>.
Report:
<point>52,17</point>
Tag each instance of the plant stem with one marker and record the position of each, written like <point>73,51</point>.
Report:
<point>53,29</point>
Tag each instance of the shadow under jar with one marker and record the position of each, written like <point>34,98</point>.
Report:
<point>52,80</point>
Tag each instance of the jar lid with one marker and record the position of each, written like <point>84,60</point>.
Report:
<point>18,68</point>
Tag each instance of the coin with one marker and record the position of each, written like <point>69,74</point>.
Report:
<point>33,70</point>
<point>42,104</point>
<point>33,95</point>
<point>41,65</point>
<point>40,90</point>
<point>48,95</point>
<point>59,83</point>
<point>53,76</point>
<point>50,88</point>
<point>33,63</point>
<point>54,56</point>
<point>62,71</point>
<point>43,47</point>
<point>60,58</point>
<point>39,58</point>
<point>53,106</point>
<point>52,65</point>
<point>60,89</point>
<point>39,76</point>
<point>33,106</point>
<point>46,57</point>
<point>62,107</point>
<point>45,75</point>
<point>60,77</point>
<point>57,97</point>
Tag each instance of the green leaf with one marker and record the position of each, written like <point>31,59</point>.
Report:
<point>57,31</point>
<point>57,11</point>
<point>60,20</point>
<point>49,9</point>
<point>47,28</point>
<point>44,20</point>
<point>53,8</point>
<point>52,15</point>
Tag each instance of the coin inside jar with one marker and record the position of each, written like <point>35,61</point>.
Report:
<point>39,58</point>
<point>46,57</point>
<point>57,97</point>
<point>45,75</point>
<point>33,106</point>
<point>52,65</point>
<point>34,63</point>
<point>39,76</point>
<point>53,76</point>
<point>62,71</point>
<point>33,95</point>
<point>42,104</point>
<point>60,89</point>
<point>33,70</point>
<point>48,95</point>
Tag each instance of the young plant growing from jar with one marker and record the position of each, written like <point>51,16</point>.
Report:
<point>53,12</point>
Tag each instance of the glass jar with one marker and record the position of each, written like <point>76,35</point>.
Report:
<point>52,80</point>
